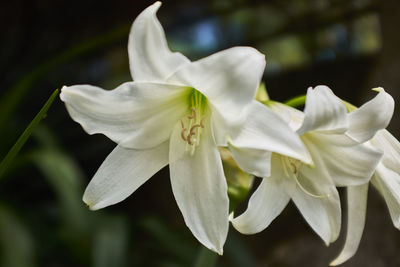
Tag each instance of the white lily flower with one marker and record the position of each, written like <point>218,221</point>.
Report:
<point>369,121</point>
<point>336,159</point>
<point>177,112</point>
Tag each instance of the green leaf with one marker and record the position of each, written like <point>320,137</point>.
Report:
<point>25,135</point>
<point>16,242</point>
<point>65,179</point>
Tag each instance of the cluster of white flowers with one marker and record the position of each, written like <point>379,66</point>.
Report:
<point>179,112</point>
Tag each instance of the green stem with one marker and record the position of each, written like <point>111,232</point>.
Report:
<point>297,101</point>
<point>25,135</point>
<point>206,258</point>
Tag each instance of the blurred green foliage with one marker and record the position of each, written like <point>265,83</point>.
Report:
<point>89,238</point>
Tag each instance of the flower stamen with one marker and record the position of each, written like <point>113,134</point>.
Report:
<point>194,130</point>
<point>291,168</point>
<point>193,116</point>
<point>183,131</point>
<point>201,122</point>
<point>193,123</point>
<point>308,192</point>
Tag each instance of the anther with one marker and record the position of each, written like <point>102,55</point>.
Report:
<point>194,128</point>
<point>201,122</point>
<point>193,116</point>
<point>187,133</point>
<point>183,134</point>
<point>189,138</point>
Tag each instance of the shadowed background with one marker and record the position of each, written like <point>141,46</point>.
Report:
<point>351,46</point>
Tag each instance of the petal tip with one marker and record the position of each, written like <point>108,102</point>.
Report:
<point>89,204</point>
<point>219,250</point>
<point>231,216</point>
<point>236,223</point>
<point>322,87</point>
<point>63,91</point>
<point>91,208</point>
<point>307,159</point>
<point>378,89</point>
<point>157,4</point>
<point>216,249</point>
<point>337,261</point>
<point>333,263</point>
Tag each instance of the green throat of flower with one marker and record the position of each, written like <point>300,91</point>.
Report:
<point>193,124</point>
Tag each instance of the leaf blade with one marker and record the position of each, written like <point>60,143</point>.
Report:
<point>26,134</point>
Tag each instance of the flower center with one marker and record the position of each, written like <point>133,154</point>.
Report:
<point>291,168</point>
<point>193,124</point>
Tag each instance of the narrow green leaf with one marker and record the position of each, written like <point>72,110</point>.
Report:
<point>297,101</point>
<point>25,135</point>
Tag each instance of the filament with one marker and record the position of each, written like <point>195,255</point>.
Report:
<point>291,169</point>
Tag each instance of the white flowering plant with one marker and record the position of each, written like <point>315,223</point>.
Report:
<point>202,118</point>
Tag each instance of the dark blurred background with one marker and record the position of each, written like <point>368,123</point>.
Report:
<point>351,46</point>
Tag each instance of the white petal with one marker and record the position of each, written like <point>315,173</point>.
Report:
<point>149,56</point>
<point>293,117</point>
<point>319,213</point>
<point>200,188</point>
<point>229,79</point>
<point>356,209</point>
<point>134,115</point>
<point>264,130</point>
<point>371,117</point>
<point>267,202</point>
<point>318,201</point>
<point>220,129</point>
<point>388,184</point>
<point>323,112</point>
<point>346,162</point>
<point>253,161</point>
<point>122,172</point>
<point>390,146</point>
